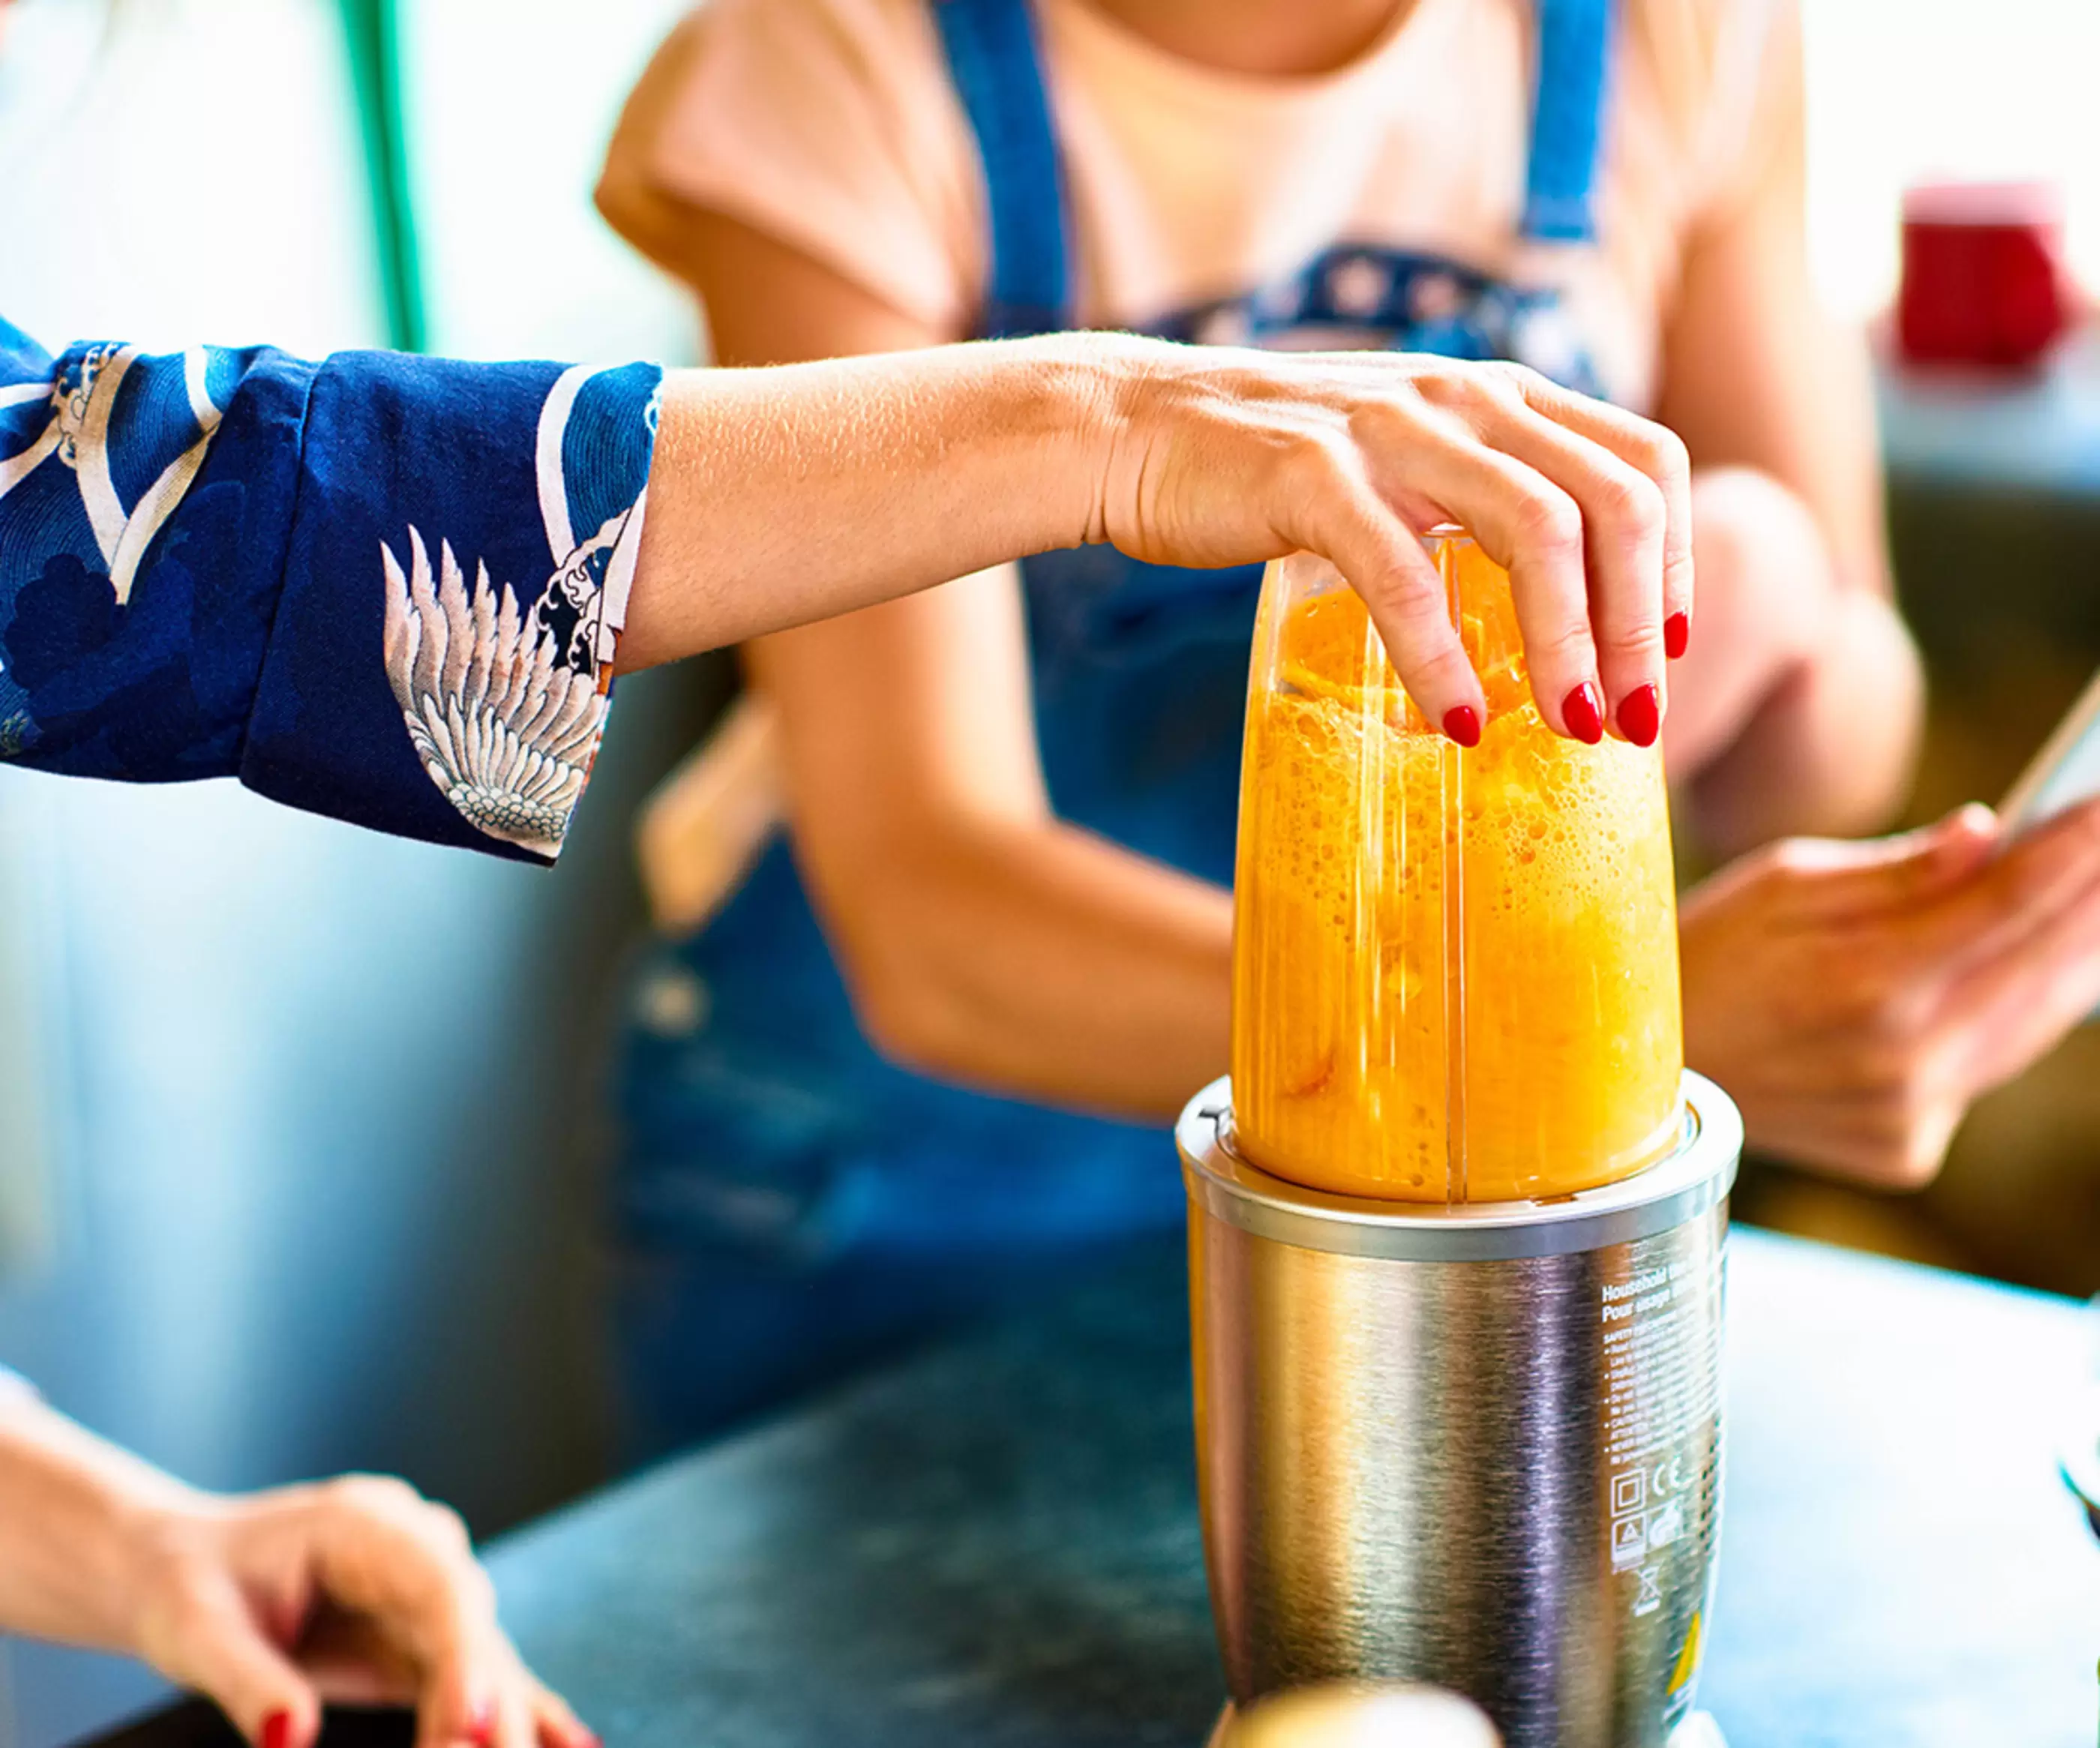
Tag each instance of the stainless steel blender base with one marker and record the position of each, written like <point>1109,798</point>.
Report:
<point>1477,1446</point>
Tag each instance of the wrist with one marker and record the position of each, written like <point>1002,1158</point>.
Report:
<point>78,1521</point>
<point>1104,385</point>
<point>159,1546</point>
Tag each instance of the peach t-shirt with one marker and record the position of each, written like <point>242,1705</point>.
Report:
<point>832,125</point>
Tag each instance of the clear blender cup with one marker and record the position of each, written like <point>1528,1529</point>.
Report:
<point>1454,971</point>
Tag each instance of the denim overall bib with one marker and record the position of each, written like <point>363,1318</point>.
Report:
<point>788,1202</point>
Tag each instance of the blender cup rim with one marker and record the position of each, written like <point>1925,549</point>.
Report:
<point>1431,538</point>
<point>1691,1180</point>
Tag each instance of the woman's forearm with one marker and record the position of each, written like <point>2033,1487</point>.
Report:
<point>1830,752</point>
<point>812,490</point>
<point>1037,959</point>
<point>801,492</point>
<point>1801,695</point>
<point>76,1529</point>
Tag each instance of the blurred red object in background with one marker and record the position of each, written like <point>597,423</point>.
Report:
<point>1983,283</point>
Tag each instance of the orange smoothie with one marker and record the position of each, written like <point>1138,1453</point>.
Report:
<point>1455,972</point>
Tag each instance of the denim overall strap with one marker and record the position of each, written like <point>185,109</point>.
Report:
<point>1567,117</point>
<point>996,63</point>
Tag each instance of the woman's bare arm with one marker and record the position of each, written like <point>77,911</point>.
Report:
<point>272,1604</point>
<point>1801,697</point>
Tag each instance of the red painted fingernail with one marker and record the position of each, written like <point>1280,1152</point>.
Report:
<point>1584,713</point>
<point>277,1729</point>
<point>1676,634</point>
<point>1461,722</point>
<point>1640,715</point>
<point>481,1722</point>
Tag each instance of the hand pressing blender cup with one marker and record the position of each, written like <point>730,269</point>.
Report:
<point>1457,1220</point>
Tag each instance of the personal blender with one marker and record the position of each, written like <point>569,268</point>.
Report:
<point>1457,1220</point>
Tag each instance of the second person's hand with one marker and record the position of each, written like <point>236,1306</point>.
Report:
<point>1855,998</point>
<point>356,1590</point>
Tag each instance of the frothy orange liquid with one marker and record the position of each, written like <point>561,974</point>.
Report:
<point>1377,860</point>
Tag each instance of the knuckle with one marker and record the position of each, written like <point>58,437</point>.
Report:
<point>1395,410</point>
<point>381,1496</point>
<point>475,1590</point>
<point>447,1528</point>
<point>1518,381</point>
<point>1493,388</point>
<point>1631,500</point>
<point>1882,1153</point>
<point>1658,451</point>
<point>1551,524</point>
<point>1669,458</point>
<point>1444,383</point>
<point>1911,1097</point>
<point>1411,599</point>
<point>1448,662</point>
<point>1319,452</point>
<point>1919,1148</point>
<point>1637,643</point>
<point>1790,859</point>
<point>1422,642</point>
<point>1563,646</point>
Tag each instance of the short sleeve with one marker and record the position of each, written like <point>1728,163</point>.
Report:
<point>13,1385</point>
<point>1752,118</point>
<point>384,588</point>
<point>828,124</point>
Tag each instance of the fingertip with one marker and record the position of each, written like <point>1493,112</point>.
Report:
<point>1640,715</point>
<point>1582,715</point>
<point>1677,635</point>
<point>1971,831</point>
<point>292,1725</point>
<point>558,1728</point>
<point>465,1717</point>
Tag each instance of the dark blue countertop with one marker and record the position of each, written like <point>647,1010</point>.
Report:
<point>996,1545</point>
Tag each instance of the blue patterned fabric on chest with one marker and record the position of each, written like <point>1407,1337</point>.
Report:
<point>1365,297</point>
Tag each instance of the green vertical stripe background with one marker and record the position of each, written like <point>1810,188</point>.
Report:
<point>371,32</point>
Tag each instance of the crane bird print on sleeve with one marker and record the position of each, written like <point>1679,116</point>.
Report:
<point>505,702</point>
<point>505,730</point>
<point>383,587</point>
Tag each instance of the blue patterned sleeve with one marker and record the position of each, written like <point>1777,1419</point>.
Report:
<point>384,588</point>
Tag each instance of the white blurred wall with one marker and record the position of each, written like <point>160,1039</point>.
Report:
<point>1908,90</point>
